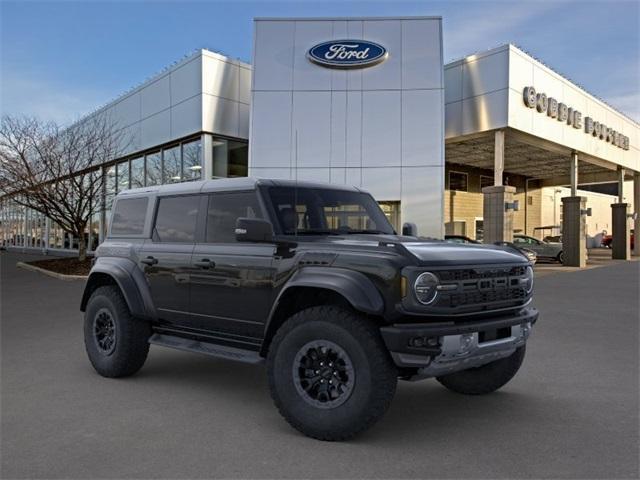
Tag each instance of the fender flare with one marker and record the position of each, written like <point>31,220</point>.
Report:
<point>130,280</point>
<point>354,286</point>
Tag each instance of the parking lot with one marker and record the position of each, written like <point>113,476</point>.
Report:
<point>571,412</point>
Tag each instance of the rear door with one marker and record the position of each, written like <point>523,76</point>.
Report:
<point>166,258</point>
<point>232,283</point>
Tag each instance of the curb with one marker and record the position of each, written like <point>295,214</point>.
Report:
<point>49,273</point>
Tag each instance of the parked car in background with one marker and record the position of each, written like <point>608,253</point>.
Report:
<point>528,254</point>
<point>543,250</point>
<point>459,239</point>
<point>607,240</point>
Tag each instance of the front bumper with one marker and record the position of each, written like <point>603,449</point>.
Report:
<point>440,348</point>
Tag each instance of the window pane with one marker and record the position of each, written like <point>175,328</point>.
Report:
<point>123,176</point>
<point>192,160</point>
<point>137,172</point>
<point>110,186</point>
<point>176,220</point>
<point>154,169</point>
<point>128,216</point>
<point>485,182</point>
<point>458,181</point>
<point>172,165</point>
<point>238,159</point>
<point>224,210</point>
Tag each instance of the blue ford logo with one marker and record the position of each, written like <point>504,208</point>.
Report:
<point>347,54</point>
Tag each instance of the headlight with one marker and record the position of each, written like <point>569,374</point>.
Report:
<point>425,288</point>
<point>529,280</point>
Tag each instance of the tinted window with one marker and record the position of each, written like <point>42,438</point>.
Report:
<point>176,219</point>
<point>128,216</point>
<point>310,211</point>
<point>224,210</point>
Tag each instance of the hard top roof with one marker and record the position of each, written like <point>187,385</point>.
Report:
<point>229,184</point>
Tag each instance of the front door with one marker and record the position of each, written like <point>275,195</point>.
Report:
<point>231,283</point>
<point>166,258</point>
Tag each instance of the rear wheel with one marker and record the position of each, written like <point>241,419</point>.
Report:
<point>561,257</point>
<point>330,374</point>
<point>116,343</point>
<point>487,378</point>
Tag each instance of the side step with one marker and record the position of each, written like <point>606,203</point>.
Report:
<point>220,351</point>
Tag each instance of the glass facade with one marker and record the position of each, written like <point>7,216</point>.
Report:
<point>177,162</point>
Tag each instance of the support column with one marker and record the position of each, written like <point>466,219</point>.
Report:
<point>498,158</point>
<point>620,249</point>
<point>498,219</point>
<point>574,227</point>
<point>620,185</point>
<point>207,156</point>
<point>636,210</point>
<point>574,173</point>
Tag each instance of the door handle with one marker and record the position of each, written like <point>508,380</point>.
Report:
<point>204,263</point>
<point>149,261</point>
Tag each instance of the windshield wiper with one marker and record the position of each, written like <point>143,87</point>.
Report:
<point>372,232</point>
<point>314,232</point>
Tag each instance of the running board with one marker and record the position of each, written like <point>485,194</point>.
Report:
<point>220,351</point>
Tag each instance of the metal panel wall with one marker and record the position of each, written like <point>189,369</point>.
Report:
<point>380,128</point>
<point>204,92</point>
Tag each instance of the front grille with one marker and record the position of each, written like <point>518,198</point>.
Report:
<point>477,273</point>
<point>475,298</point>
<point>482,287</point>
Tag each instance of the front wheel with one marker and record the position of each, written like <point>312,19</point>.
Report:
<point>561,257</point>
<point>330,374</point>
<point>487,378</point>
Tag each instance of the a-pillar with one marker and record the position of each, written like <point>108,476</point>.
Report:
<point>620,248</point>
<point>498,217</point>
<point>574,225</point>
<point>636,210</point>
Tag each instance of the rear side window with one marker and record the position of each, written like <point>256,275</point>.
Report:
<point>224,210</point>
<point>176,219</point>
<point>128,216</point>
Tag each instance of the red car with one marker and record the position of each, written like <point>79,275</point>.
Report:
<point>607,240</point>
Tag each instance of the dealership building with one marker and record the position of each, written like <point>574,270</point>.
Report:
<point>493,144</point>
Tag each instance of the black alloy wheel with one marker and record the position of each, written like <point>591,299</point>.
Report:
<point>323,374</point>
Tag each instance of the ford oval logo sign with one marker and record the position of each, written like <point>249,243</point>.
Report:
<point>347,54</point>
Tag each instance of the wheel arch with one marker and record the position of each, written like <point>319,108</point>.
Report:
<point>320,286</point>
<point>125,275</point>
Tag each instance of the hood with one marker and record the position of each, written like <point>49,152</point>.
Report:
<point>433,252</point>
<point>462,254</point>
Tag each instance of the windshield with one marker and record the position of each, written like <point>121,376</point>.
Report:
<point>309,211</point>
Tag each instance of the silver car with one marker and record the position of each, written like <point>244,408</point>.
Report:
<point>544,250</point>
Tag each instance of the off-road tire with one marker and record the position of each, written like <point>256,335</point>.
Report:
<point>375,375</point>
<point>131,335</point>
<point>487,378</point>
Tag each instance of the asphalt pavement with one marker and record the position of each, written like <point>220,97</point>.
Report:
<point>571,412</point>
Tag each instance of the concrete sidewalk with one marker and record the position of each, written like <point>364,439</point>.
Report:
<point>571,412</point>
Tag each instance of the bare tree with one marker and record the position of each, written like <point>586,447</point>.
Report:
<point>55,170</point>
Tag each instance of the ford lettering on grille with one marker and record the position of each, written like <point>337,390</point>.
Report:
<point>347,54</point>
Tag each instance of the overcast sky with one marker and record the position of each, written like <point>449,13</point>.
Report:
<point>60,60</point>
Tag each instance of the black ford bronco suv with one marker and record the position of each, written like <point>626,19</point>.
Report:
<point>313,280</point>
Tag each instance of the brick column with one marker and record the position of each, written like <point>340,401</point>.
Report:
<point>498,221</point>
<point>573,231</point>
<point>620,249</point>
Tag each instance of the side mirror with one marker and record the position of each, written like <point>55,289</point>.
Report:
<point>409,229</point>
<point>253,230</point>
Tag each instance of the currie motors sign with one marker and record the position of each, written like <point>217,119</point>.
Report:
<point>572,117</point>
<point>347,54</point>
